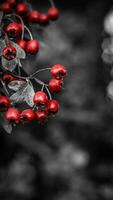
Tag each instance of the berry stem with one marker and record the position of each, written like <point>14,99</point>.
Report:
<point>6,40</point>
<point>40,82</point>
<point>5,88</point>
<point>50,97</point>
<point>29,4</point>
<point>40,70</point>
<point>52,3</point>
<point>42,88</point>
<point>30,34</point>
<point>28,78</point>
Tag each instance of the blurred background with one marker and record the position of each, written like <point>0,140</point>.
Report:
<point>71,156</point>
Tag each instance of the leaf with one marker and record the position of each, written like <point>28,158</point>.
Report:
<point>16,85</point>
<point>20,51</point>
<point>19,96</point>
<point>3,122</point>
<point>110,90</point>
<point>9,65</point>
<point>24,94</point>
<point>29,95</point>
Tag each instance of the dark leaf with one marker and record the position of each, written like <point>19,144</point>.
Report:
<point>16,85</point>
<point>5,125</point>
<point>9,65</point>
<point>24,94</point>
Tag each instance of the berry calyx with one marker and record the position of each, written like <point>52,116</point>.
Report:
<point>4,103</point>
<point>32,46</point>
<point>34,16</point>
<point>41,115</point>
<point>22,9</point>
<point>55,85</point>
<point>13,29</point>
<point>22,43</point>
<point>53,13</point>
<point>40,98</point>
<point>44,19</point>
<point>9,53</point>
<point>7,78</point>
<point>12,115</point>
<point>58,71</point>
<point>27,116</point>
<point>5,7</point>
<point>52,106</point>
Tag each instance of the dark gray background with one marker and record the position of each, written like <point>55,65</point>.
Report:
<point>71,156</point>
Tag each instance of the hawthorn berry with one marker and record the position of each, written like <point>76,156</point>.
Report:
<point>55,85</point>
<point>11,2</point>
<point>13,29</point>
<point>9,53</point>
<point>4,103</point>
<point>34,16</point>
<point>12,115</point>
<point>22,9</point>
<point>32,46</point>
<point>7,78</point>
<point>6,7</point>
<point>53,13</point>
<point>58,71</point>
<point>44,19</point>
<point>40,98</point>
<point>27,115</point>
<point>41,115</point>
<point>22,43</point>
<point>52,106</point>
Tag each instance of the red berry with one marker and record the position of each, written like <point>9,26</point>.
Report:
<point>44,19</point>
<point>32,46</point>
<point>58,71</point>
<point>22,9</point>
<point>41,115</point>
<point>53,106</point>
<point>7,78</point>
<point>34,16</point>
<point>9,52</point>
<point>55,85</point>
<point>27,115</point>
<point>53,13</point>
<point>40,98</point>
<point>13,115</point>
<point>4,103</point>
<point>5,7</point>
<point>11,2</point>
<point>13,29</point>
<point>22,43</point>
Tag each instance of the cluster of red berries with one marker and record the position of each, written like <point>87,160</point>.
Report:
<point>34,16</point>
<point>58,72</point>
<point>41,103</point>
<point>44,106</point>
<point>13,115</point>
<point>14,29</point>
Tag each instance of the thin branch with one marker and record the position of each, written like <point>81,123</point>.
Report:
<point>40,70</point>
